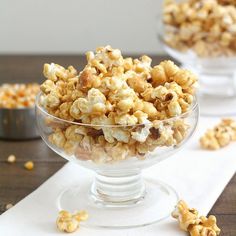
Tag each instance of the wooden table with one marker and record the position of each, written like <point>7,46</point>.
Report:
<point>16,182</point>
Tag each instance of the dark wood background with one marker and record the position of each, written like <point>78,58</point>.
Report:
<point>16,182</point>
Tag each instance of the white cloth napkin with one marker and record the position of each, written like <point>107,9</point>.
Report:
<point>198,176</point>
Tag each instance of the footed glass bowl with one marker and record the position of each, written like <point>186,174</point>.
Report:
<point>119,197</point>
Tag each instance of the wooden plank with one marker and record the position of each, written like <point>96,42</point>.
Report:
<point>227,224</point>
<point>35,150</point>
<point>17,182</point>
<point>226,203</point>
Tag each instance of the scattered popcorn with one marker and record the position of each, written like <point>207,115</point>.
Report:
<point>18,95</point>
<point>206,27</point>
<point>81,216</point>
<point>8,206</point>
<point>66,222</point>
<point>118,100</point>
<point>220,136</point>
<point>11,159</point>
<point>191,222</point>
<point>29,165</point>
<point>69,223</point>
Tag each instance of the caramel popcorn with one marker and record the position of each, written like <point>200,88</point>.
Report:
<point>29,165</point>
<point>8,206</point>
<point>220,136</point>
<point>206,227</point>
<point>185,215</point>
<point>69,223</point>
<point>118,103</point>
<point>191,222</point>
<point>11,158</point>
<point>18,95</point>
<point>206,27</point>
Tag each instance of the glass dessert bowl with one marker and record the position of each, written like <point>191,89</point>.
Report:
<point>201,35</point>
<point>119,197</point>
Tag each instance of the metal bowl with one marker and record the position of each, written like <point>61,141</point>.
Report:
<point>18,123</point>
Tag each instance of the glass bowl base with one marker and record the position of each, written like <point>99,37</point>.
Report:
<point>157,204</point>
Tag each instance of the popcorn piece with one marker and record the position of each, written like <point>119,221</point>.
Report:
<point>54,72</point>
<point>180,130</point>
<point>141,116</point>
<point>51,100</point>
<point>87,143</point>
<point>186,216</point>
<point>142,134</point>
<point>81,216</point>
<point>70,147</point>
<point>206,227</point>
<point>66,222</point>
<point>64,111</point>
<point>126,119</point>
<point>95,102</point>
<point>150,110</point>
<point>189,221</point>
<point>120,135</point>
<point>112,134</point>
<point>174,108</point>
<point>57,138</point>
<point>29,165</point>
<point>120,152</point>
<point>11,159</point>
<point>8,206</point>
<point>220,136</point>
<point>158,75</point>
<point>75,133</point>
<point>125,104</point>
<point>185,79</point>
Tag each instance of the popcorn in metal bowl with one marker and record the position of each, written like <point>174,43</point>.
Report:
<point>17,111</point>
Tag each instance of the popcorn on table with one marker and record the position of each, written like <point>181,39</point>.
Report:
<point>220,136</point>
<point>208,27</point>
<point>122,101</point>
<point>69,223</point>
<point>11,158</point>
<point>191,222</point>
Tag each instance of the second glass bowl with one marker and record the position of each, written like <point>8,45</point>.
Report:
<point>205,44</point>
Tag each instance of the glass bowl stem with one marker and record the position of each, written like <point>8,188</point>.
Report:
<point>118,190</point>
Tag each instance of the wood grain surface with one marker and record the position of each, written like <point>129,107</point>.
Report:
<point>16,182</point>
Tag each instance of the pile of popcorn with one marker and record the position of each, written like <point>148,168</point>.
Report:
<point>69,223</point>
<point>220,136</point>
<point>191,222</point>
<point>208,27</point>
<point>123,102</point>
<point>18,95</point>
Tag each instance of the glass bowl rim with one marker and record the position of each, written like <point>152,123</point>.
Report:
<point>193,106</point>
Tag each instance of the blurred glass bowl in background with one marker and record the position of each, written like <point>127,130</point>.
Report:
<point>202,36</point>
